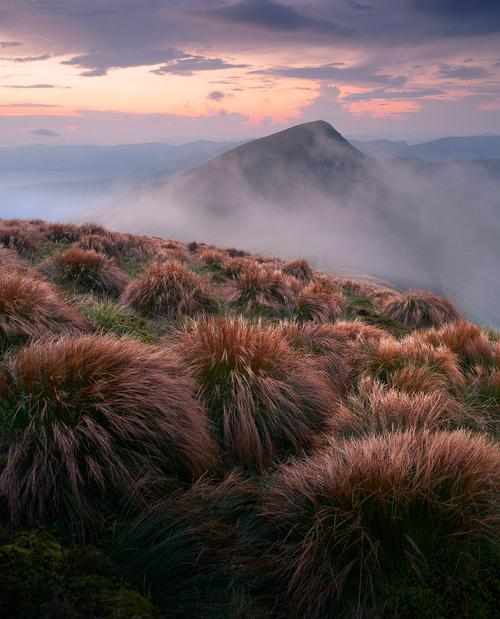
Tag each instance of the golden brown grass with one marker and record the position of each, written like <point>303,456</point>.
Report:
<point>467,341</point>
<point>413,365</point>
<point>101,244</point>
<point>341,518</point>
<point>418,308</point>
<point>299,269</point>
<point>264,286</point>
<point>318,306</point>
<point>87,269</point>
<point>63,233</point>
<point>30,307</point>
<point>264,400</point>
<point>19,239</point>
<point>169,290</point>
<point>91,415</point>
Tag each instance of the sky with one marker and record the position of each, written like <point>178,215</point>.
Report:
<point>123,71</point>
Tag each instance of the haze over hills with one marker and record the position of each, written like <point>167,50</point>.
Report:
<point>57,181</point>
<point>415,223</point>
<point>443,149</point>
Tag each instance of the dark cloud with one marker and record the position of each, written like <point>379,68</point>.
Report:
<point>382,93</point>
<point>188,65</point>
<point>216,95</point>
<point>5,44</point>
<point>461,72</point>
<point>47,133</point>
<point>99,63</point>
<point>353,75</point>
<point>27,58</point>
<point>271,15</point>
<point>462,16</point>
<point>29,86</point>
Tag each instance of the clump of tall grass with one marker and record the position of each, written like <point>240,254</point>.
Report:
<point>9,260</point>
<point>169,290</point>
<point>85,269</point>
<point>101,244</point>
<point>341,521</point>
<point>413,365</point>
<point>418,308</point>
<point>299,269</point>
<point>30,307</point>
<point>318,306</point>
<point>63,233</point>
<point>90,415</point>
<point>376,408</point>
<point>264,286</point>
<point>264,400</point>
<point>180,550</point>
<point>19,239</point>
<point>467,341</point>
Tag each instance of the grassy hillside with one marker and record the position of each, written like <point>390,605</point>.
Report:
<point>188,431</point>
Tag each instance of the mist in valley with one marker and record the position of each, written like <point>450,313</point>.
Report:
<point>412,223</point>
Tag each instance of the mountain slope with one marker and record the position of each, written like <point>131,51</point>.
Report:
<point>406,220</point>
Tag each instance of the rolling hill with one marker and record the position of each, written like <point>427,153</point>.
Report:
<point>406,220</point>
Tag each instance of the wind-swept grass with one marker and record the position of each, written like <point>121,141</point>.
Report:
<point>264,286</point>
<point>170,290</point>
<point>264,400</point>
<point>85,269</point>
<point>30,307</point>
<point>300,269</point>
<point>91,415</point>
<point>340,521</point>
<point>418,308</point>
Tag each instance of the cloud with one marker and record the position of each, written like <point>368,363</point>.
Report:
<point>188,65</point>
<point>48,133</point>
<point>461,72</point>
<point>353,75</point>
<point>216,95</point>
<point>36,86</point>
<point>27,58</point>
<point>28,105</point>
<point>99,63</point>
<point>382,93</point>
<point>271,15</point>
<point>5,44</point>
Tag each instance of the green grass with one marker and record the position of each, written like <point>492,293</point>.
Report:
<point>111,317</point>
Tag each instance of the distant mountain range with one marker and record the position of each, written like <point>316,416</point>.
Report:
<point>444,149</point>
<point>307,189</point>
<point>61,180</point>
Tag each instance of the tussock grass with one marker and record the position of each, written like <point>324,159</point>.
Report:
<point>264,286</point>
<point>413,365</point>
<point>264,400</point>
<point>300,269</point>
<point>92,414</point>
<point>63,233</point>
<point>85,269</point>
<point>418,308</point>
<point>318,306</point>
<point>100,244</point>
<point>338,520</point>
<point>170,290</point>
<point>19,239</point>
<point>30,307</point>
<point>184,546</point>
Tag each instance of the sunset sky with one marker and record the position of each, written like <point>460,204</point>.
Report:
<point>117,71</point>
